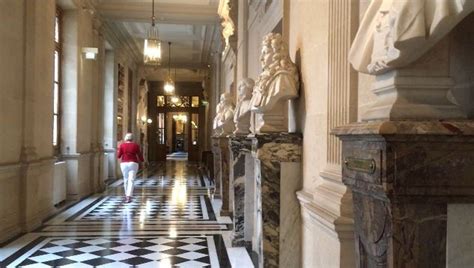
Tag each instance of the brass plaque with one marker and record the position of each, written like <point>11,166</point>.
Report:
<point>359,164</point>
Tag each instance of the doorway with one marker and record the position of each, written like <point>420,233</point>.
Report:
<point>179,126</point>
<point>178,135</point>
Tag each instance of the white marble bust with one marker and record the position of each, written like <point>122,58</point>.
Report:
<point>277,84</point>
<point>395,33</point>
<point>224,120</point>
<point>242,110</point>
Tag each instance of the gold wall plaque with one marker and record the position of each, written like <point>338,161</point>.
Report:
<point>359,164</point>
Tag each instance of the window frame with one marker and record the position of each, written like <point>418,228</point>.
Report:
<point>59,50</point>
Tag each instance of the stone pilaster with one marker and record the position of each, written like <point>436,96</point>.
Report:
<point>278,175</point>
<point>403,174</point>
<point>329,204</point>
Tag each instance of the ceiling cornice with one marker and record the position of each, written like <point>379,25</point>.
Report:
<point>165,13</point>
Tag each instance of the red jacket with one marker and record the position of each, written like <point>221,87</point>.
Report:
<point>130,152</point>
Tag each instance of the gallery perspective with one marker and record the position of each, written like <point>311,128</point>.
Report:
<point>237,133</point>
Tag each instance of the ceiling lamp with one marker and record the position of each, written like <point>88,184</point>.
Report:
<point>169,83</point>
<point>152,48</point>
<point>180,117</point>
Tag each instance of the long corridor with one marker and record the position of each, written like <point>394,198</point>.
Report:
<point>172,221</point>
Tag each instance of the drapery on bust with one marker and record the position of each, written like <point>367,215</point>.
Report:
<point>223,122</point>
<point>279,78</point>
<point>242,110</point>
<point>395,33</point>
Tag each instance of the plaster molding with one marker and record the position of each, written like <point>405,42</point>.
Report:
<point>10,167</point>
<point>341,228</point>
<point>77,155</point>
<point>227,22</point>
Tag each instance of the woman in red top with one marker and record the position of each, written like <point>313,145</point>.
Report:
<point>130,154</point>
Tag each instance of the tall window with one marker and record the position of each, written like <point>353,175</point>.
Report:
<point>57,82</point>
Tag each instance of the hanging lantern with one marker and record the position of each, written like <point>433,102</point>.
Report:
<point>152,47</point>
<point>169,83</point>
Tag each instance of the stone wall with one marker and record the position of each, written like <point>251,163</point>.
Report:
<point>28,190</point>
<point>320,34</point>
<point>26,161</point>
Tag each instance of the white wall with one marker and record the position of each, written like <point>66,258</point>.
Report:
<point>29,175</point>
<point>26,161</point>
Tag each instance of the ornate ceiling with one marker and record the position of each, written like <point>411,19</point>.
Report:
<point>191,25</point>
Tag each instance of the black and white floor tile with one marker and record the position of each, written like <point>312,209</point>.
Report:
<point>165,182</point>
<point>170,224</point>
<point>151,251</point>
<point>146,207</point>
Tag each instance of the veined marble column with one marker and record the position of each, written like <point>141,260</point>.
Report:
<point>240,147</point>
<point>278,167</point>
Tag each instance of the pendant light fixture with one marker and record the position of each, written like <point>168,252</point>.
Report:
<point>169,83</point>
<point>152,47</point>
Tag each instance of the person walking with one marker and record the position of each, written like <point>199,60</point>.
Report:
<point>130,155</point>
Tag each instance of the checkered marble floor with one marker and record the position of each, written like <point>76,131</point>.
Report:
<point>151,208</point>
<point>170,223</point>
<point>165,182</point>
<point>188,251</point>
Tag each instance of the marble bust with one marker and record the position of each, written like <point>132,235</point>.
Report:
<point>242,110</point>
<point>224,121</point>
<point>277,83</point>
<point>395,33</point>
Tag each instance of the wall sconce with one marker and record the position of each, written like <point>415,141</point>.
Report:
<point>145,120</point>
<point>90,53</point>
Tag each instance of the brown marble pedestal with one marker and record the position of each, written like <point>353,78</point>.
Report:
<point>402,175</point>
<point>278,177</point>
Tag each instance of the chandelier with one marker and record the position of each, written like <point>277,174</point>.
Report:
<point>152,48</point>
<point>169,83</point>
<point>180,117</point>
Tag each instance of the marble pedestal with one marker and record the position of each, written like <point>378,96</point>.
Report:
<point>403,175</point>
<point>216,151</point>
<point>243,190</point>
<point>222,170</point>
<point>278,176</point>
